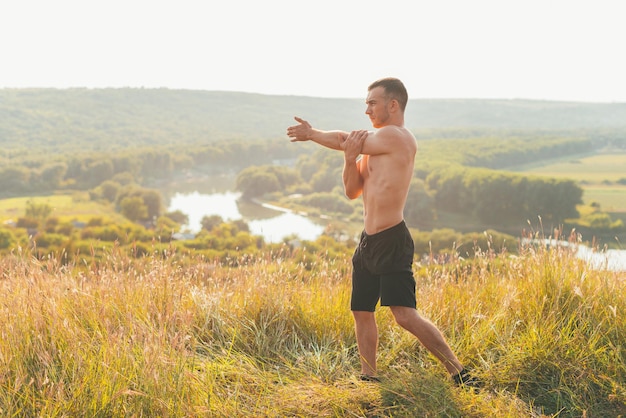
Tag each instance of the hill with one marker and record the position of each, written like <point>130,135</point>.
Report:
<point>271,335</point>
<point>62,119</point>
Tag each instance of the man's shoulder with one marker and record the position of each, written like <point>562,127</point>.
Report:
<point>395,130</point>
<point>396,133</point>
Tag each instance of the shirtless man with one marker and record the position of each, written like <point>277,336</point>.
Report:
<point>379,166</point>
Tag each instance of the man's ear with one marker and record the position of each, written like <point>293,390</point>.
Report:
<point>394,105</point>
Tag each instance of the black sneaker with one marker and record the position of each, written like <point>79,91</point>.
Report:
<point>368,378</point>
<point>466,380</point>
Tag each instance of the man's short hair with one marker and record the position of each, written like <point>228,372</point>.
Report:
<point>394,89</point>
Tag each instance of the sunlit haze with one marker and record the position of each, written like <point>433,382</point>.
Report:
<point>531,49</point>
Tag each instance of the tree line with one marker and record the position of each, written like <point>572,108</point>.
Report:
<point>500,198</point>
<point>492,197</point>
<point>78,171</point>
<point>308,178</point>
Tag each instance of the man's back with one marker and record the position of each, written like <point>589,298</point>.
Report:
<point>387,169</point>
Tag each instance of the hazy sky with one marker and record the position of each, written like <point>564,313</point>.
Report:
<point>535,49</point>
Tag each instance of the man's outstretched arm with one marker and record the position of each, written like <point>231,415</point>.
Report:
<point>303,131</point>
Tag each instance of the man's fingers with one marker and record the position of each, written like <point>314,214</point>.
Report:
<point>302,121</point>
<point>298,132</point>
<point>354,141</point>
<point>359,135</point>
<point>291,131</point>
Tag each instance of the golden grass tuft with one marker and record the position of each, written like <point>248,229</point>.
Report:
<point>273,336</point>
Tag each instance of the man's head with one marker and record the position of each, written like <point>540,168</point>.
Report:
<point>386,101</point>
<point>394,90</point>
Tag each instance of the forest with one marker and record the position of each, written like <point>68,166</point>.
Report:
<point>118,145</point>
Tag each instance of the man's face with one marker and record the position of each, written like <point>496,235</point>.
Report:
<point>377,107</point>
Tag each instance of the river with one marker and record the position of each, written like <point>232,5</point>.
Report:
<point>272,224</point>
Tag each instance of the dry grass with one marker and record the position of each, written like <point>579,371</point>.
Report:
<point>274,337</point>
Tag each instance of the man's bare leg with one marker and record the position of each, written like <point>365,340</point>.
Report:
<point>367,340</point>
<point>429,335</point>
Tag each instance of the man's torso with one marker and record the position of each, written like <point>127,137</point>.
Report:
<point>386,179</point>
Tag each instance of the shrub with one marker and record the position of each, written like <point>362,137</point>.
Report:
<point>7,238</point>
<point>328,202</point>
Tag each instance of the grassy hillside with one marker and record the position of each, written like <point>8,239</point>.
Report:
<point>108,119</point>
<point>272,336</point>
<point>66,120</point>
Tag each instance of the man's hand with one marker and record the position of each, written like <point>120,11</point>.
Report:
<point>300,132</point>
<point>353,144</point>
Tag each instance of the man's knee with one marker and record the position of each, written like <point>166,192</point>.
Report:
<point>404,316</point>
<point>363,316</point>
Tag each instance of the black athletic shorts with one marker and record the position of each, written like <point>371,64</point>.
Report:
<point>382,268</point>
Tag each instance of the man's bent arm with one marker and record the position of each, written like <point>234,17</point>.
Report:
<point>352,179</point>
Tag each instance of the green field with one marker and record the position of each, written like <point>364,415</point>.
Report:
<point>611,198</point>
<point>597,174</point>
<point>596,168</point>
<point>71,207</point>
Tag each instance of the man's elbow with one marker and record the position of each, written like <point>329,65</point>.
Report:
<point>352,194</point>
